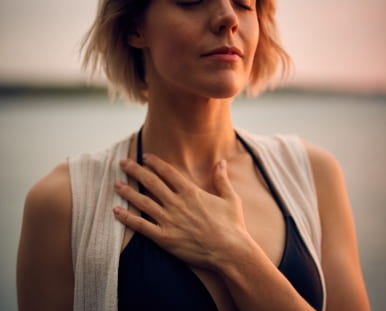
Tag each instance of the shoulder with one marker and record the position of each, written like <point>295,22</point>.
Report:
<point>333,202</point>
<point>340,262</point>
<point>51,195</point>
<point>47,217</point>
<point>326,170</point>
<point>44,265</point>
<point>323,162</point>
<point>314,165</point>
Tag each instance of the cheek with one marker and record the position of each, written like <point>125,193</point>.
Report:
<point>171,47</point>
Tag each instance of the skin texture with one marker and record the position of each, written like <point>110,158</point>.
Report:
<point>212,208</point>
<point>195,31</point>
<point>44,266</point>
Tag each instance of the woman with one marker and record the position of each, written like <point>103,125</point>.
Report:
<point>205,217</point>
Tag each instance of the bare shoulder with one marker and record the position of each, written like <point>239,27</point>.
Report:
<point>340,260</point>
<point>48,207</point>
<point>333,202</point>
<point>328,178</point>
<point>323,162</point>
<point>52,193</point>
<point>44,266</point>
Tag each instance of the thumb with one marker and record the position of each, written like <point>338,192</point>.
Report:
<point>221,181</point>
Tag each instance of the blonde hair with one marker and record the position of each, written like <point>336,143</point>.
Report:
<point>106,48</point>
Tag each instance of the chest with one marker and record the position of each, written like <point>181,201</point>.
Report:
<point>265,223</point>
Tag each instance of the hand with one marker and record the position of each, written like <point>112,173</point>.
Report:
<point>194,225</point>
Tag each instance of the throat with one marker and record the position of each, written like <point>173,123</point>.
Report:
<point>192,134</point>
<point>194,154</point>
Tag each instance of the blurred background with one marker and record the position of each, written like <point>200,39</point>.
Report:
<point>336,98</point>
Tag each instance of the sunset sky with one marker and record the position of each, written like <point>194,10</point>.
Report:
<point>339,44</point>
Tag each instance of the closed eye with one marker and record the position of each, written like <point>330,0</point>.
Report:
<point>189,3</point>
<point>240,4</point>
<point>244,6</point>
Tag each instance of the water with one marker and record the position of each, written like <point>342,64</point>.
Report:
<point>36,133</point>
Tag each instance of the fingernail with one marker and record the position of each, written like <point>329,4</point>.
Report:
<point>117,211</point>
<point>118,185</point>
<point>125,162</point>
<point>145,157</point>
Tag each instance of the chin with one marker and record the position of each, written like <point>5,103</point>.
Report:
<point>224,85</point>
<point>216,87</point>
<point>223,90</point>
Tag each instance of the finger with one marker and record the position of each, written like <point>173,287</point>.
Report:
<point>140,201</point>
<point>137,223</point>
<point>167,172</point>
<point>221,181</point>
<point>149,180</point>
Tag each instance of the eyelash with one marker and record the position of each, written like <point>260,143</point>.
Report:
<point>192,3</point>
<point>244,6</point>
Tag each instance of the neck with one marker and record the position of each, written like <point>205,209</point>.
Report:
<point>192,135</point>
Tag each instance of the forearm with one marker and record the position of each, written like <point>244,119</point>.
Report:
<point>253,280</point>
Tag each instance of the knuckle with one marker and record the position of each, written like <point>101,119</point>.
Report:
<point>166,239</point>
<point>173,202</point>
<point>149,157</point>
<point>127,217</point>
<point>190,192</point>
<point>127,190</point>
<point>149,180</point>
<point>166,170</point>
<point>138,224</point>
<point>132,167</point>
<point>145,202</point>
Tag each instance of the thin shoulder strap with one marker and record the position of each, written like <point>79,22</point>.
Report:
<point>266,178</point>
<point>141,188</point>
<point>256,161</point>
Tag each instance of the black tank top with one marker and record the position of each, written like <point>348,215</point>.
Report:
<point>150,279</point>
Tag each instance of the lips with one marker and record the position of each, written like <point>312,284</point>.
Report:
<point>224,51</point>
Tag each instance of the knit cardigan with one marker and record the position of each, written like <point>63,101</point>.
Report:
<point>97,236</point>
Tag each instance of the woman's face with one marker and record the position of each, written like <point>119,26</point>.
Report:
<point>202,47</point>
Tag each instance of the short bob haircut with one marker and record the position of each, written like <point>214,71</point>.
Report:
<point>106,48</point>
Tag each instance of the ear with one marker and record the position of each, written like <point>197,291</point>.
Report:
<point>136,39</point>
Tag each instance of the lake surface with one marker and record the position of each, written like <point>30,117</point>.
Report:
<point>37,132</point>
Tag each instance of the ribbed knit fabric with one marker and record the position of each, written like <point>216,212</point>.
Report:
<point>97,236</point>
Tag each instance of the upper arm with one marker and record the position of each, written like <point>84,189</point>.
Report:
<point>44,265</point>
<point>340,260</point>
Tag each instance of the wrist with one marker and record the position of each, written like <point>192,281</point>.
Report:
<point>234,251</point>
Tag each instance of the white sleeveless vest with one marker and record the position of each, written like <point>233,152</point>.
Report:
<point>97,236</point>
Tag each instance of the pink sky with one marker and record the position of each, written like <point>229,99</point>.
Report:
<point>339,43</point>
<point>334,43</point>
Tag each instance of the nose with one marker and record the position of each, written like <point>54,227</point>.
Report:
<point>225,18</point>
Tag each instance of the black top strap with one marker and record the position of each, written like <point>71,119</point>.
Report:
<point>256,161</point>
<point>141,188</point>
<point>265,175</point>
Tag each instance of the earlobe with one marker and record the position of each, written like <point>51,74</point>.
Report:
<point>136,40</point>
